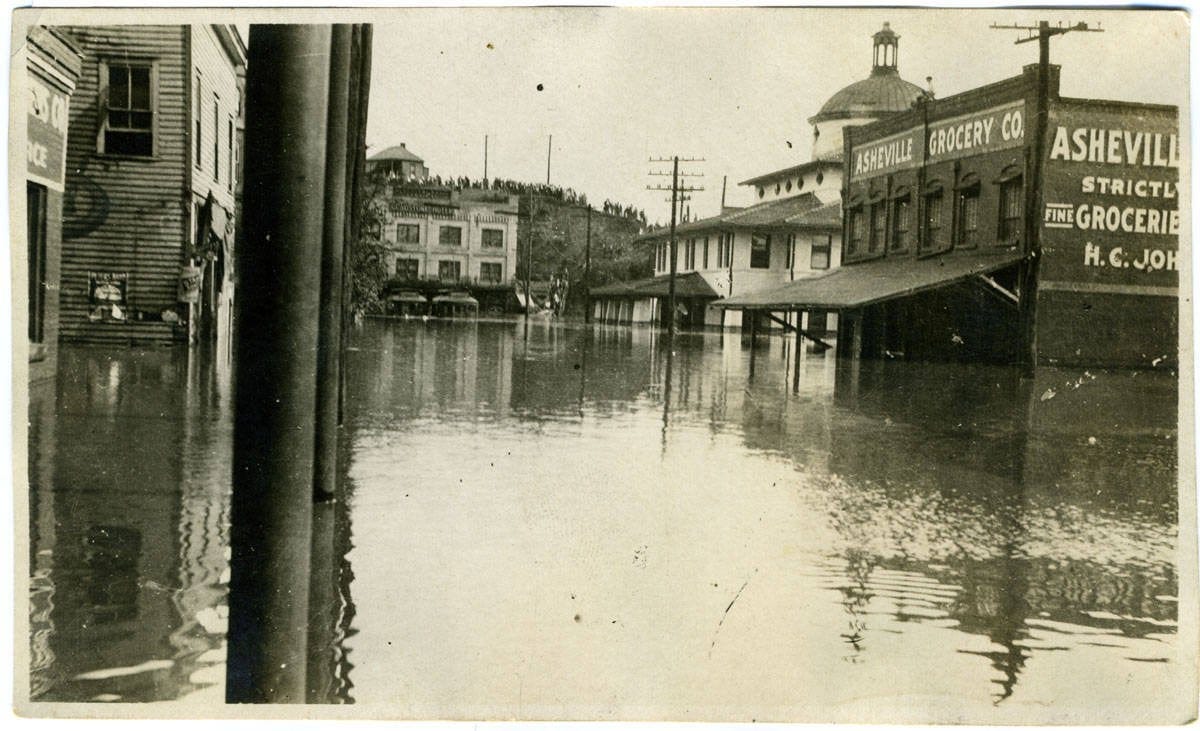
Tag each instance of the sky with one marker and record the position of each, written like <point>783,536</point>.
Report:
<point>732,86</point>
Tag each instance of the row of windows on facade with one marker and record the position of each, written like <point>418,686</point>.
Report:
<point>898,236</point>
<point>410,233</point>
<point>696,252</point>
<point>786,187</point>
<point>489,271</point>
<point>128,121</point>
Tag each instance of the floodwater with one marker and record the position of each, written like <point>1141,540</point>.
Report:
<point>559,521</point>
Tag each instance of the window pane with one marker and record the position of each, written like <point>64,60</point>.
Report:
<point>119,120</point>
<point>760,251</point>
<point>450,236</point>
<point>127,143</point>
<point>118,87</point>
<point>139,88</point>
<point>140,120</point>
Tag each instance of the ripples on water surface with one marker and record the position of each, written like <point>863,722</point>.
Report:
<point>570,522</point>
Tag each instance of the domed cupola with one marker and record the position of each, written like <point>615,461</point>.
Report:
<point>881,94</point>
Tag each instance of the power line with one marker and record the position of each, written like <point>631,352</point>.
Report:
<point>676,191</point>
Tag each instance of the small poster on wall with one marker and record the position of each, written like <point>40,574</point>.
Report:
<point>106,295</point>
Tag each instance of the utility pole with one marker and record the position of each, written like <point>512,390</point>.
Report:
<point>676,190</point>
<point>485,153</point>
<point>287,97</point>
<point>587,270</point>
<point>1042,33</point>
<point>549,147</point>
<point>528,255</point>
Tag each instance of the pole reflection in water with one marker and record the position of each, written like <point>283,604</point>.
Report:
<point>979,546</point>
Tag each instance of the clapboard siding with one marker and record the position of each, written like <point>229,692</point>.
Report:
<point>219,89</point>
<point>123,213</point>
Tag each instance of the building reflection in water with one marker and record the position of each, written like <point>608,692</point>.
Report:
<point>1012,519</point>
<point>129,493</point>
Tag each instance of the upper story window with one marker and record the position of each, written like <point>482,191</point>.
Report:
<point>216,138</point>
<point>449,270</point>
<point>408,233</point>
<point>968,217</point>
<point>493,238</point>
<point>858,231</point>
<point>901,223</point>
<point>229,153</point>
<point>197,123</point>
<point>1011,205</point>
<point>760,251</point>
<point>706,252</point>
<point>406,268</point>
<point>128,120</point>
<point>450,236</point>
<point>791,251</point>
<point>933,220</point>
<point>490,271</point>
<point>819,259</point>
<point>878,228</point>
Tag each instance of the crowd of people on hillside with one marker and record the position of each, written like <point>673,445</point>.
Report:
<point>543,190</point>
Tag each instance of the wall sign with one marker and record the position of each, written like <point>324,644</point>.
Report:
<point>996,128</point>
<point>1111,213</point>
<point>46,145</point>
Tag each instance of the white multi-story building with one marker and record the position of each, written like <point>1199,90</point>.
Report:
<point>466,236</point>
<point>791,231</point>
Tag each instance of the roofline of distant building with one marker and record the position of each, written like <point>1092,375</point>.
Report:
<point>803,167</point>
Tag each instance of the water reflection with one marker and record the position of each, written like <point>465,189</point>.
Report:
<point>540,520</point>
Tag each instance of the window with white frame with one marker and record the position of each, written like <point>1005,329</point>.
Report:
<point>128,119</point>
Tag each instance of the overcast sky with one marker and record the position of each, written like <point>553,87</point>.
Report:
<point>733,86</point>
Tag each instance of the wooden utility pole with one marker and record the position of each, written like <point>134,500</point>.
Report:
<point>549,147</point>
<point>485,160</point>
<point>287,96</point>
<point>587,270</point>
<point>676,191</point>
<point>528,255</point>
<point>1028,275</point>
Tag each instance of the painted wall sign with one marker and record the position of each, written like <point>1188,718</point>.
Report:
<point>1111,216</point>
<point>996,128</point>
<point>107,295</point>
<point>46,145</point>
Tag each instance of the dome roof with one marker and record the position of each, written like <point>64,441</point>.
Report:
<point>881,93</point>
<point>399,152</point>
<point>876,95</point>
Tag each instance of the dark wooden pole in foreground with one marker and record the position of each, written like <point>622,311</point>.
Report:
<point>329,348</point>
<point>276,358</point>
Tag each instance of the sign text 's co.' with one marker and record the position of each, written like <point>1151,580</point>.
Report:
<point>46,128</point>
<point>996,128</point>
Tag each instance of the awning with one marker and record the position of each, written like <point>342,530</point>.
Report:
<point>856,285</point>
<point>686,285</point>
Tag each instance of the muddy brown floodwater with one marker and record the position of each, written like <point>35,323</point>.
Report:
<point>570,521</point>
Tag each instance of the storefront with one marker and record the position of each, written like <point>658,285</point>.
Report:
<point>52,69</point>
<point>941,262</point>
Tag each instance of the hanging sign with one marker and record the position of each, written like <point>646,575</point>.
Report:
<point>189,283</point>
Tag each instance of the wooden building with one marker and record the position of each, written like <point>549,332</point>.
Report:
<point>151,165</point>
<point>942,260</point>
<point>51,65</point>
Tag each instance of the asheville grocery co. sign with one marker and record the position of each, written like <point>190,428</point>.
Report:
<point>996,128</point>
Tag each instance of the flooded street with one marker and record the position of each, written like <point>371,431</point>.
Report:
<point>564,521</point>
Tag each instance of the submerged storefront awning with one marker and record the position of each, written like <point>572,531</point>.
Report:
<point>856,285</point>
